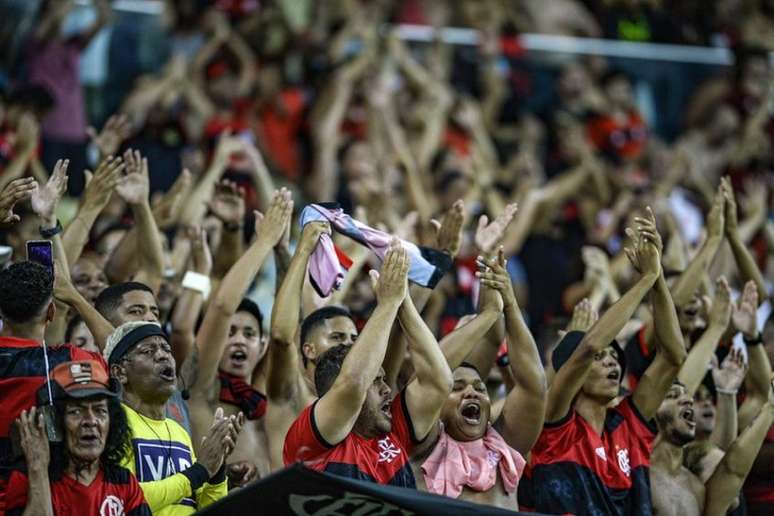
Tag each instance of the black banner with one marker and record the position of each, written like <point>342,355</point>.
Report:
<point>300,491</point>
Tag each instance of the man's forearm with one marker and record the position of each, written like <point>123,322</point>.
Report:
<point>99,327</point>
<point>429,363</point>
<point>284,323</point>
<point>613,320</point>
<point>229,251</point>
<point>76,234</point>
<point>458,344</point>
<point>689,280</point>
<point>725,429</point>
<point>668,335</point>
<point>39,493</point>
<point>151,251</point>
<point>695,366</point>
<point>748,269</point>
<point>523,353</point>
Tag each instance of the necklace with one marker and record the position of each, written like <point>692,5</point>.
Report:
<point>168,449</point>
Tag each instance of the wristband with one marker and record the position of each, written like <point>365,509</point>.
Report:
<point>730,392</point>
<point>503,360</point>
<point>49,233</point>
<point>198,282</point>
<point>755,341</point>
<point>219,477</point>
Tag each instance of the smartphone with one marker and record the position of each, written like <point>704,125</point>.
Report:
<point>41,251</point>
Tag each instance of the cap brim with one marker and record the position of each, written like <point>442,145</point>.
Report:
<point>89,392</point>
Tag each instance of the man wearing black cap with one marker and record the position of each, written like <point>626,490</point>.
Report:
<point>161,455</point>
<point>82,473</point>
<point>593,457</point>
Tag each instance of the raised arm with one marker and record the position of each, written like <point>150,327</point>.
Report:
<point>283,351</point>
<point>213,334</point>
<point>728,377</point>
<point>99,187</point>
<point>691,278</point>
<point>134,189</point>
<point>337,410</point>
<point>697,363</point>
<point>228,206</point>
<point>189,303</point>
<point>103,16</point>
<point>744,259</point>
<point>568,380</point>
<point>37,456</point>
<point>669,339</point>
<point>724,485</point>
<point>426,394</point>
<point>525,407</point>
<point>15,191</point>
<point>65,292</point>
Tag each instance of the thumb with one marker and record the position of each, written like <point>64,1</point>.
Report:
<point>91,132</point>
<point>482,222</point>
<point>435,225</point>
<point>374,275</point>
<point>89,176</point>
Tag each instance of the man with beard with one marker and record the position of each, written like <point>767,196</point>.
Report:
<point>675,489</point>
<point>472,459</point>
<point>162,457</point>
<point>290,388</point>
<point>592,456</point>
<point>355,428</point>
<point>229,348</point>
<point>82,474</point>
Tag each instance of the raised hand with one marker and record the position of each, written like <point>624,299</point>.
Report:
<point>720,312</point>
<point>716,216</point>
<point>166,210</point>
<point>271,227</point>
<point>201,256</point>
<point>214,445</point>
<point>46,198</point>
<point>646,227</point>
<point>101,184</point>
<point>488,236</point>
<point>493,273</point>
<point>731,219</point>
<point>15,191</point>
<point>135,186</point>
<point>645,253</point>
<point>583,317</point>
<point>115,131</point>
<point>228,145</point>
<point>64,290</point>
<point>745,311</point>
<point>27,132</point>
<point>730,374</point>
<point>391,284</point>
<point>449,230</point>
<point>311,234</point>
<point>34,440</point>
<point>228,203</point>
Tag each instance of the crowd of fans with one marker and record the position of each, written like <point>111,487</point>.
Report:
<point>307,243</point>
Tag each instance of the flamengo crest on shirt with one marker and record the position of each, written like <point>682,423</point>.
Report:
<point>387,450</point>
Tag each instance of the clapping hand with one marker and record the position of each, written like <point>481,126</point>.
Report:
<point>46,198</point>
<point>15,191</point>
<point>489,235</point>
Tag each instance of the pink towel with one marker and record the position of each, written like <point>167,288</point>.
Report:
<point>453,464</point>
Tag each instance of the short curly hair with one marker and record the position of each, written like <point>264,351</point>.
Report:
<point>26,289</point>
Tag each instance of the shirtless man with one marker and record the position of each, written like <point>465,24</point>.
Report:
<point>229,348</point>
<point>677,491</point>
<point>290,385</point>
<point>465,418</point>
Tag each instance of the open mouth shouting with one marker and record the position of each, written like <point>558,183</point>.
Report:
<point>688,416</point>
<point>89,440</point>
<point>238,357</point>
<point>384,408</point>
<point>167,373</point>
<point>471,412</point>
<point>614,375</point>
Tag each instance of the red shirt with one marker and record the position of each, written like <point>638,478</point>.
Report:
<point>624,140</point>
<point>22,373</point>
<point>118,495</point>
<point>383,460</point>
<point>573,470</point>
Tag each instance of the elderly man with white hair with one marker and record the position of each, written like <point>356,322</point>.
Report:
<point>174,481</point>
